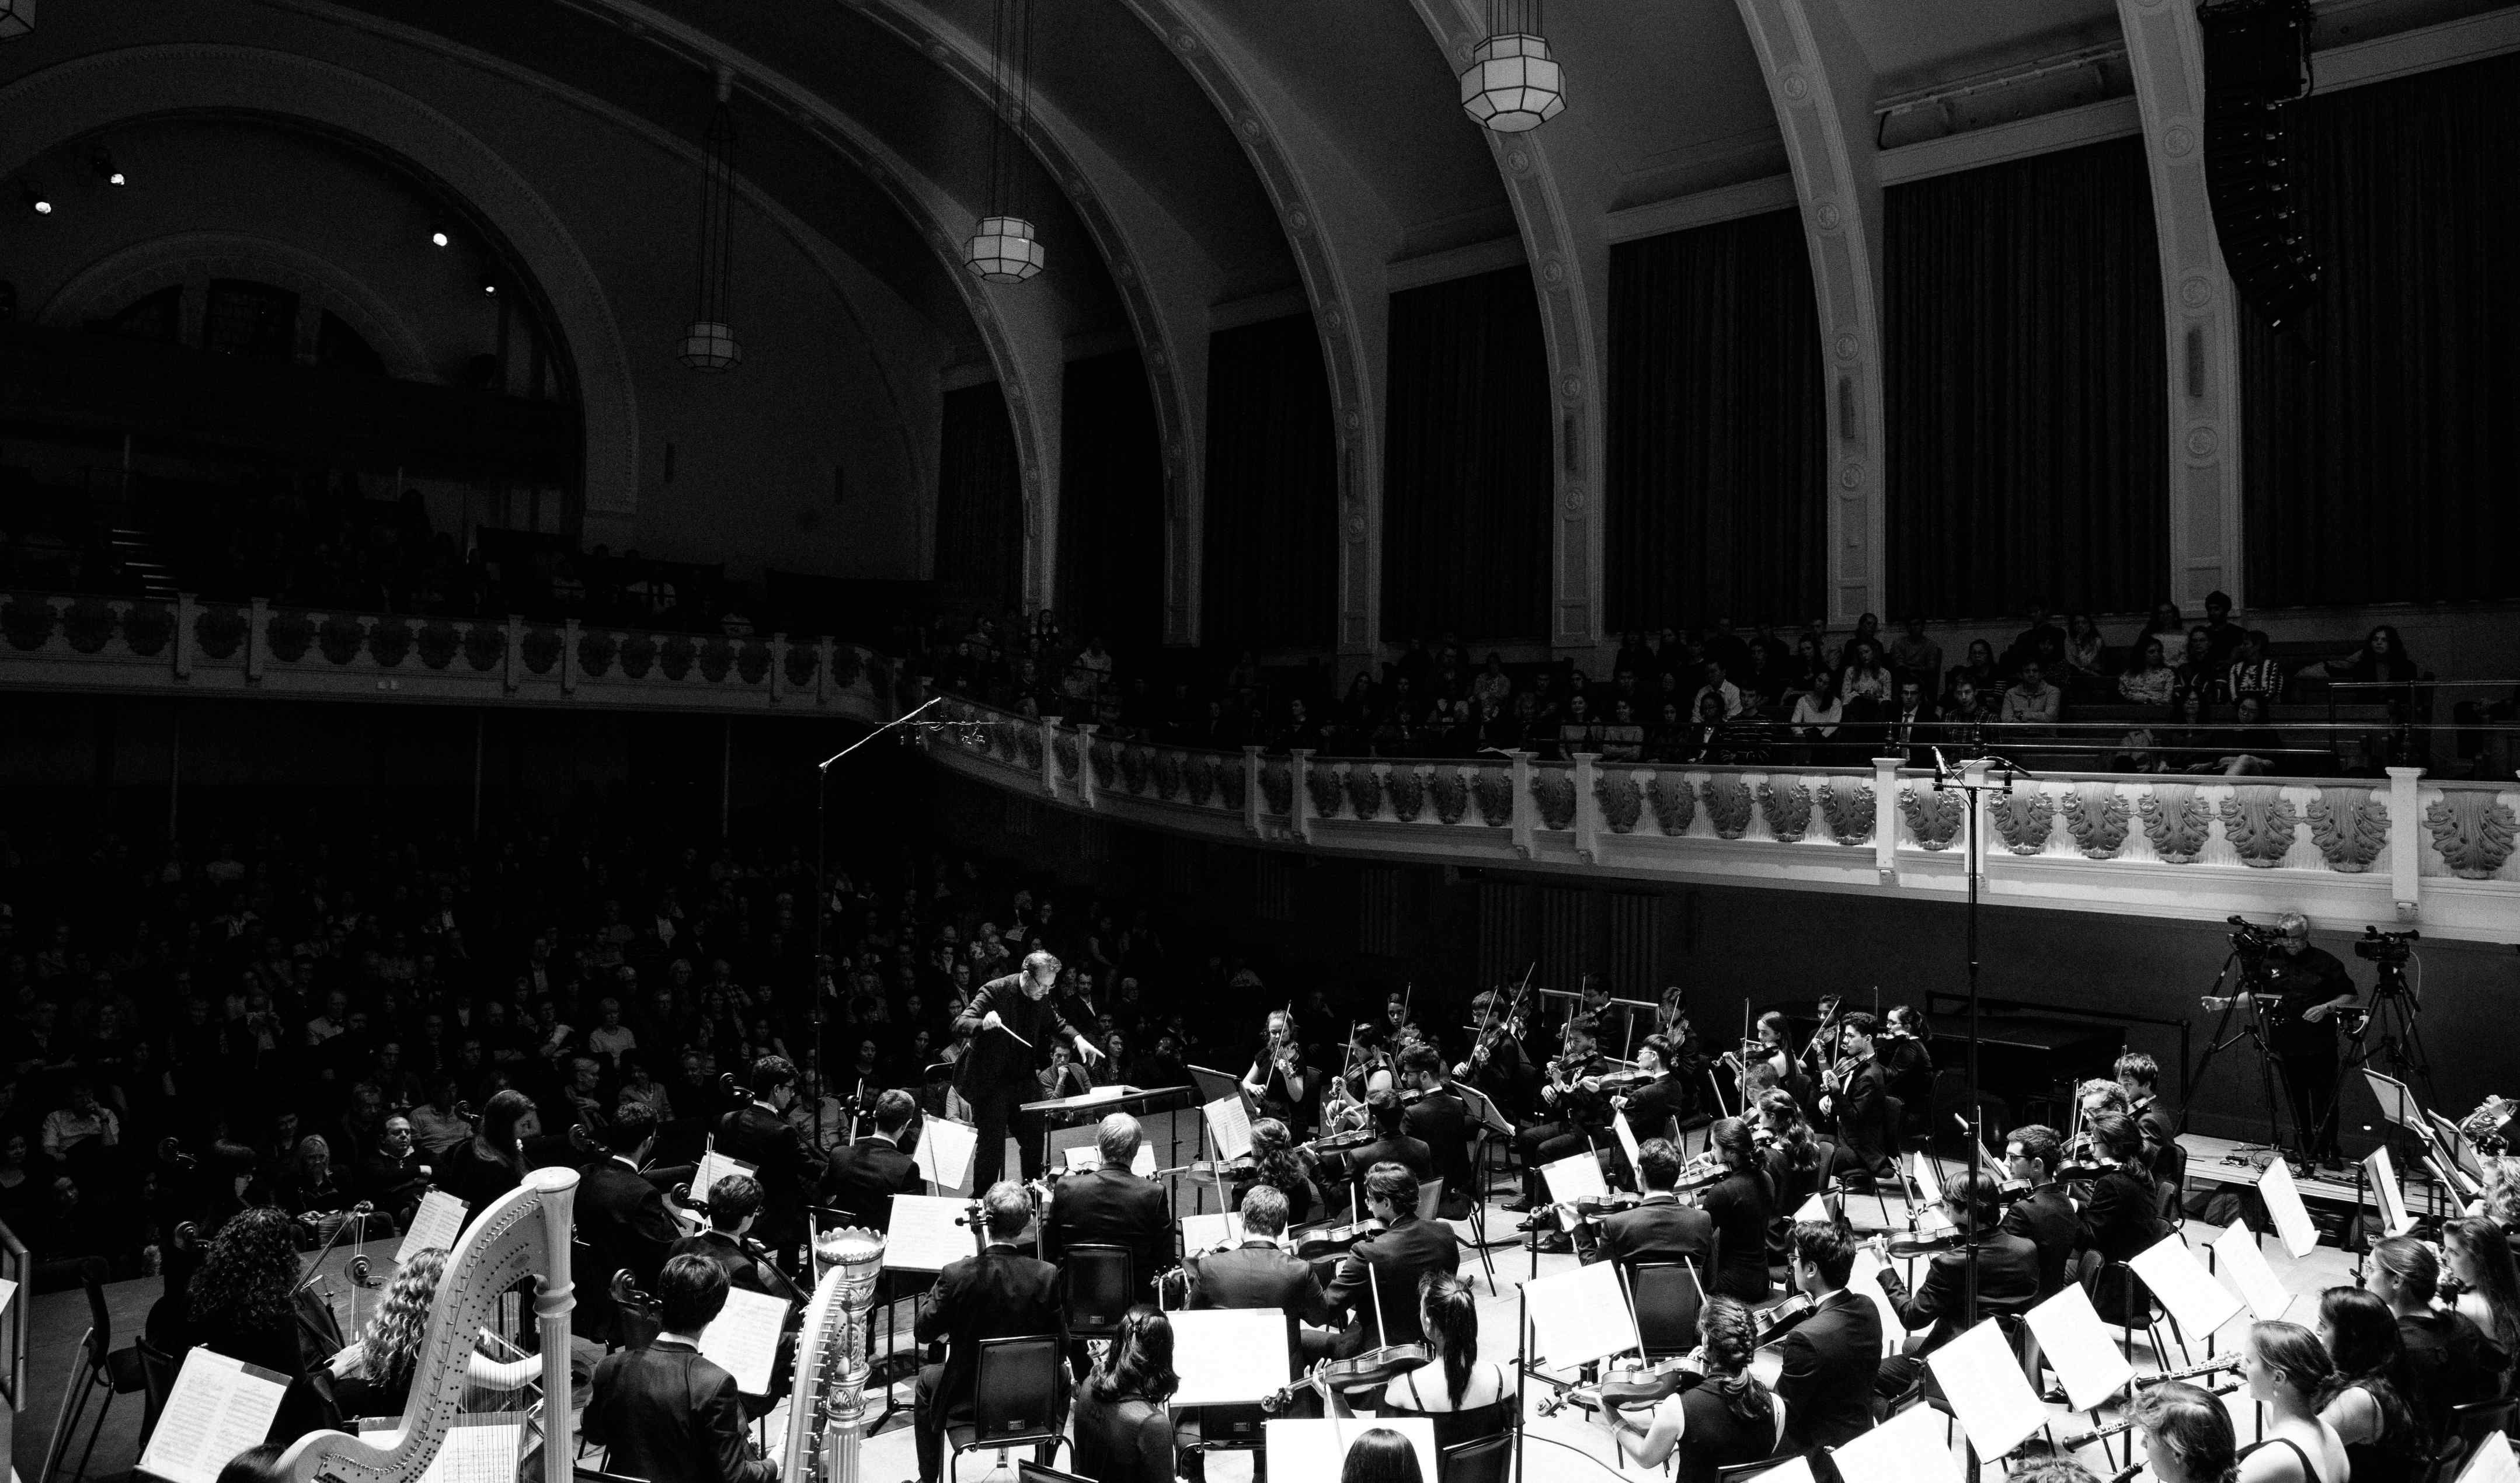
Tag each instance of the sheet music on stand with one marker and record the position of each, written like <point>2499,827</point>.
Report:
<point>1220,1086</point>
<point>1982,1379</point>
<point>712,1167</point>
<point>2452,1140</point>
<point>478,1448</point>
<point>1229,1356</point>
<point>944,1152</point>
<point>743,1338</point>
<point>2236,1252</point>
<point>2199,1303</point>
<point>1482,1108</point>
<point>2493,1461</point>
<point>2078,1347</point>
<point>2382,1172</point>
<point>219,1408</point>
<point>1577,1177</point>
<point>1206,1232</point>
<point>1085,1159</point>
<point>439,1222</point>
<point>1627,1140</point>
<point>1580,1316</point>
<point>1909,1448</point>
<point>1228,1122</point>
<point>1318,1450</point>
<point>2396,1101</point>
<point>926,1233</point>
<point>8,1290</point>
<point>1864,1277</point>
<point>2283,1203</point>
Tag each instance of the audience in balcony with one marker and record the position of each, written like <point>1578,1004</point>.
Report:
<point>2150,681</point>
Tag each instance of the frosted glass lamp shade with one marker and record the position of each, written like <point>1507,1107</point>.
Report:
<point>1004,250</point>
<point>708,345</point>
<point>16,18</point>
<point>1512,84</point>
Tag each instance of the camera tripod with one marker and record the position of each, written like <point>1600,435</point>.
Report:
<point>2399,1048</point>
<point>2253,1030</point>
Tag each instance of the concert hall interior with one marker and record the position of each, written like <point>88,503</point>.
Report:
<point>1047,739</point>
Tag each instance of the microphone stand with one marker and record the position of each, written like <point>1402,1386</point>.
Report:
<point>1972,781</point>
<point>822,889</point>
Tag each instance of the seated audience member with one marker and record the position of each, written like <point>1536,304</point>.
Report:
<point>1917,658</point>
<point>2045,1216</point>
<point>1817,712</point>
<point>999,1293</point>
<point>2030,700</point>
<point>2253,672</point>
<point>2086,657</point>
<point>2008,1281</point>
<point>2149,680</point>
<point>665,1411</point>
<point>1111,1205</point>
<point>1715,684</point>
<point>1827,1363</point>
<point>392,1175</point>
<point>84,1132</point>
<point>1659,1229</point>
<point>1729,1419</point>
<point>1124,1431</point>
<point>1392,1263</point>
<point>2256,748</point>
<point>2199,669</point>
<point>862,1178</point>
<point>1979,669</point>
<point>1911,721</point>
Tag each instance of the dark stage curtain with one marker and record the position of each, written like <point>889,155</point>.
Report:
<point>2370,471</point>
<point>1272,574</point>
<point>1111,504</point>
<point>1719,428</point>
<point>1467,492</point>
<point>979,501</point>
<point>2025,393</point>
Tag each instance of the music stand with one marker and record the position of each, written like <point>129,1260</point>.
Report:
<point>1102,1099</point>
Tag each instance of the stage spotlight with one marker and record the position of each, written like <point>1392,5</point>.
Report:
<point>489,285</point>
<point>36,200</point>
<point>101,161</point>
<point>437,239</point>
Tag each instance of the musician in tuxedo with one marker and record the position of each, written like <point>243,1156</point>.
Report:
<point>1011,1024</point>
<point>1113,1206</point>
<point>734,1204</point>
<point>1660,1228</point>
<point>1857,1098</point>
<point>1830,1358</point>
<point>1575,1107</point>
<point>2122,1215</point>
<point>621,1216</point>
<point>999,1293</point>
<point>1434,1115</point>
<point>2008,1281</point>
<point>1261,1272</point>
<point>2046,1216</point>
<point>1281,1085</point>
<point>2140,1075</point>
<point>760,1133</point>
<point>1389,1263</point>
<point>1655,1107</point>
<point>665,1414</point>
<point>1391,1143</point>
<point>2307,986</point>
<point>861,1179</point>
<point>1498,1063</point>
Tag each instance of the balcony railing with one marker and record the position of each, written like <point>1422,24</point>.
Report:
<point>2401,848</point>
<point>52,642</point>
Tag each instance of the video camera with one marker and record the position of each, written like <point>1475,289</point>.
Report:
<point>2250,940</point>
<point>2385,948</point>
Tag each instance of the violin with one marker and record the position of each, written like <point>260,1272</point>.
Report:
<point>1374,1367</point>
<point>1314,1243</point>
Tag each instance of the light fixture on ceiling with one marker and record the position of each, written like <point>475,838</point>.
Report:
<point>438,237</point>
<point>101,163</point>
<point>1512,83</point>
<point>36,200</point>
<point>16,18</point>
<point>1004,249</point>
<point>489,285</point>
<point>709,343</point>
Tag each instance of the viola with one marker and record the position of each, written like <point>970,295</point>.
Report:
<point>1374,1367</point>
<point>1314,1243</point>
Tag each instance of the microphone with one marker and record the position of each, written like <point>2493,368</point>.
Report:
<point>1942,767</point>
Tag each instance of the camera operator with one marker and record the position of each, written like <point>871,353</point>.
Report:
<point>2300,988</point>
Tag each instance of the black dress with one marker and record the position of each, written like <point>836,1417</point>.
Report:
<point>1739,1204</point>
<point>1452,1427</point>
<point>1712,1436</point>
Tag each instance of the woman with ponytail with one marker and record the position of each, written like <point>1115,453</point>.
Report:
<point>2187,1435</point>
<point>1728,1420</point>
<point>2384,1443</point>
<point>2287,1367</point>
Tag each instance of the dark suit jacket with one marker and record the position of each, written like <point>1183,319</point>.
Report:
<point>1409,1153</point>
<point>670,1416</point>
<point>788,1168</point>
<point>2007,1281</point>
<point>2120,1221</point>
<point>621,1217</point>
<point>1826,1379</point>
<point>1655,1107</point>
<point>2446,1360</point>
<point>999,1293</point>
<point>1862,1112</point>
<point>741,1268</point>
<point>1441,1122</point>
<point>1661,1230</point>
<point>1111,1206</point>
<point>862,1179</point>
<point>999,1065</point>
<point>1398,1259</point>
<point>1258,1273</point>
<point>2047,1219</point>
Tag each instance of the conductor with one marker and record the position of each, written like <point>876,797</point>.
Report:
<point>1012,1028</point>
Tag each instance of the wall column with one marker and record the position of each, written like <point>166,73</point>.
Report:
<point>2166,54</point>
<point>1823,88</point>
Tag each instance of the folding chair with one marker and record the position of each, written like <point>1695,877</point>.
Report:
<point>1489,1459</point>
<point>2469,1427</point>
<point>94,1366</point>
<point>1020,1400</point>
<point>1668,1299</point>
<point>2122,1298</point>
<point>1096,1285</point>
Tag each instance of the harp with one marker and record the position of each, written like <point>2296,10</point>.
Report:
<point>826,1407</point>
<point>526,1231</point>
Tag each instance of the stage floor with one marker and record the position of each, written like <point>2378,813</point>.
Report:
<point>59,1320</point>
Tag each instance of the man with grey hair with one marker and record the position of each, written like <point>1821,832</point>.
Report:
<point>1113,1206</point>
<point>1011,1024</point>
<point>2300,988</point>
<point>1259,1273</point>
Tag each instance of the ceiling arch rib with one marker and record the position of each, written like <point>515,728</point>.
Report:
<point>1166,280</point>
<point>1341,237</point>
<point>1559,209</point>
<point>1023,332</point>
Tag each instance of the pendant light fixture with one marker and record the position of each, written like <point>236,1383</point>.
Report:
<point>1512,83</point>
<point>1005,249</point>
<point>710,343</point>
<point>16,18</point>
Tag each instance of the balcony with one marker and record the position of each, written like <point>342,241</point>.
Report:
<point>2405,850</point>
<point>188,647</point>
